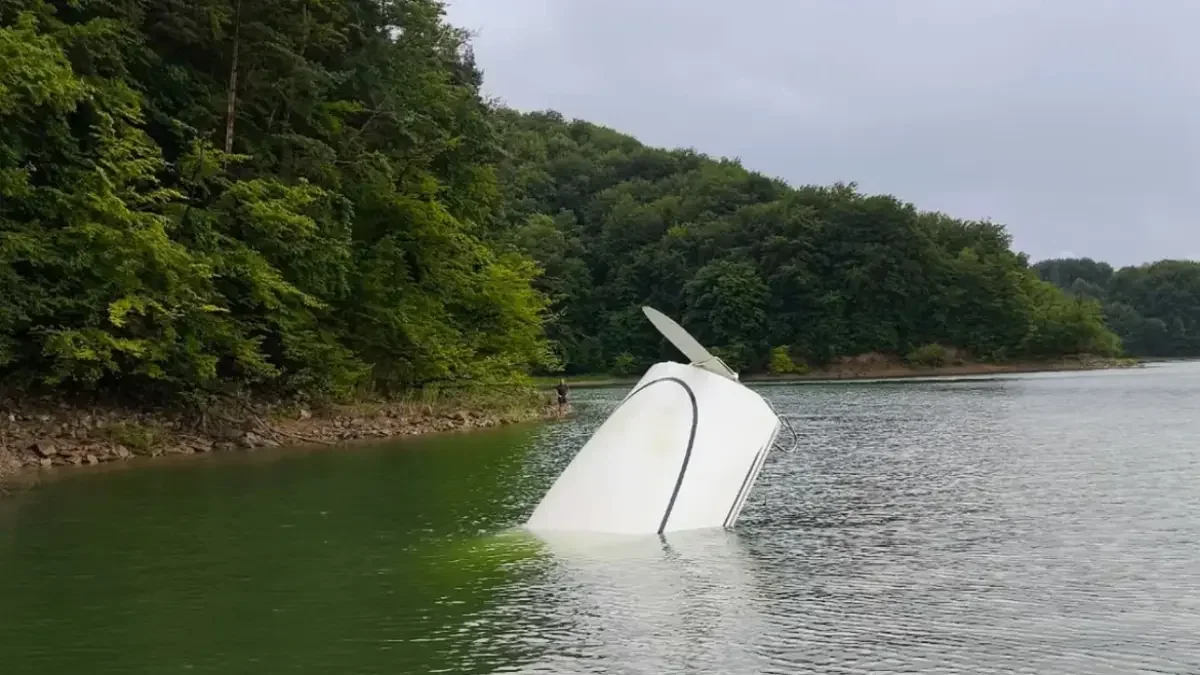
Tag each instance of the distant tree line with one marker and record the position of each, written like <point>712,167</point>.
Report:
<point>1154,308</point>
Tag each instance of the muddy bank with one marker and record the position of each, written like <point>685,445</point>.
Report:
<point>42,434</point>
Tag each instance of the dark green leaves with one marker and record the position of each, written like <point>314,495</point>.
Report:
<point>760,272</point>
<point>338,247</point>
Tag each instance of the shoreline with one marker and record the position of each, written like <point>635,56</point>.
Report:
<point>851,371</point>
<point>49,435</point>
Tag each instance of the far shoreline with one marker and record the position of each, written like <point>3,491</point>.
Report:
<point>851,372</point>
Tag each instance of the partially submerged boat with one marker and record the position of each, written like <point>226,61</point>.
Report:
<point>682,451</point>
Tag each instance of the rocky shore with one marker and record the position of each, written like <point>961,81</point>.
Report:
<point>41,434</point>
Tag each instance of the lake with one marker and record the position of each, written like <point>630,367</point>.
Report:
<point>1042,523</point>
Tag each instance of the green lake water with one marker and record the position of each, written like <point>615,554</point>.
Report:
<point>1035,524</point>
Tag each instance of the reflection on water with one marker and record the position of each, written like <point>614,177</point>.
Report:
<point>681,603</point>
<point>1034,524</point>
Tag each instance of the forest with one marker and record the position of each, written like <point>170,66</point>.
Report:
<point>314,197</point>
<point>769,275</point>
<point>1154,308</point>
<point>272,195</point>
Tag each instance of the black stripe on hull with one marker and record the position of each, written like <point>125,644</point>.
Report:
<point>687,455</point>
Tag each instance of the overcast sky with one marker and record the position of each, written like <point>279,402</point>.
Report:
<point>1073,122</point>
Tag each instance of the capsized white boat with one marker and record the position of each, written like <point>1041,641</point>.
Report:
<point>681,452</point>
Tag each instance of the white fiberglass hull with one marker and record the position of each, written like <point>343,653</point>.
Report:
<point>681,452</point>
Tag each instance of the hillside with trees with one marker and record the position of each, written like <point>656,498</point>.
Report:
<point>312,197</point>
<point>762,272</point>
<point>1154,308</point>
<point>270,195</point>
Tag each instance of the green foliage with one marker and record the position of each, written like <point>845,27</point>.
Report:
<point>1066,273</point>
<point>931,355</point>
<point>339,241</point>
<point>624,365</point>
<point>783,364</point>
<point>1067,325</point>
<point>747,262</point>
<point>1154,308</point>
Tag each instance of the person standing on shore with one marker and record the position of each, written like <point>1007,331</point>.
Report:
<point>562,395</point>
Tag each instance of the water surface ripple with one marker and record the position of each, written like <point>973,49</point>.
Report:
<point>1031,524</point>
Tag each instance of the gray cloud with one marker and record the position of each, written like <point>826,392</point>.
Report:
<point>1072,122</point>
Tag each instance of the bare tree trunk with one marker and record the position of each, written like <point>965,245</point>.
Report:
<point>231,107</point>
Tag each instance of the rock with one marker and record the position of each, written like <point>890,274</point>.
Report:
<point>91,459</point>
<point>46,462</point>
<point>304,414</point>
<point>199,444</point>
<point>44,449</point>
<point>121,452</point>
<point>223,446</point>
<point>9,465</point>
<point>228,434</point>
<point>253,440</point>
